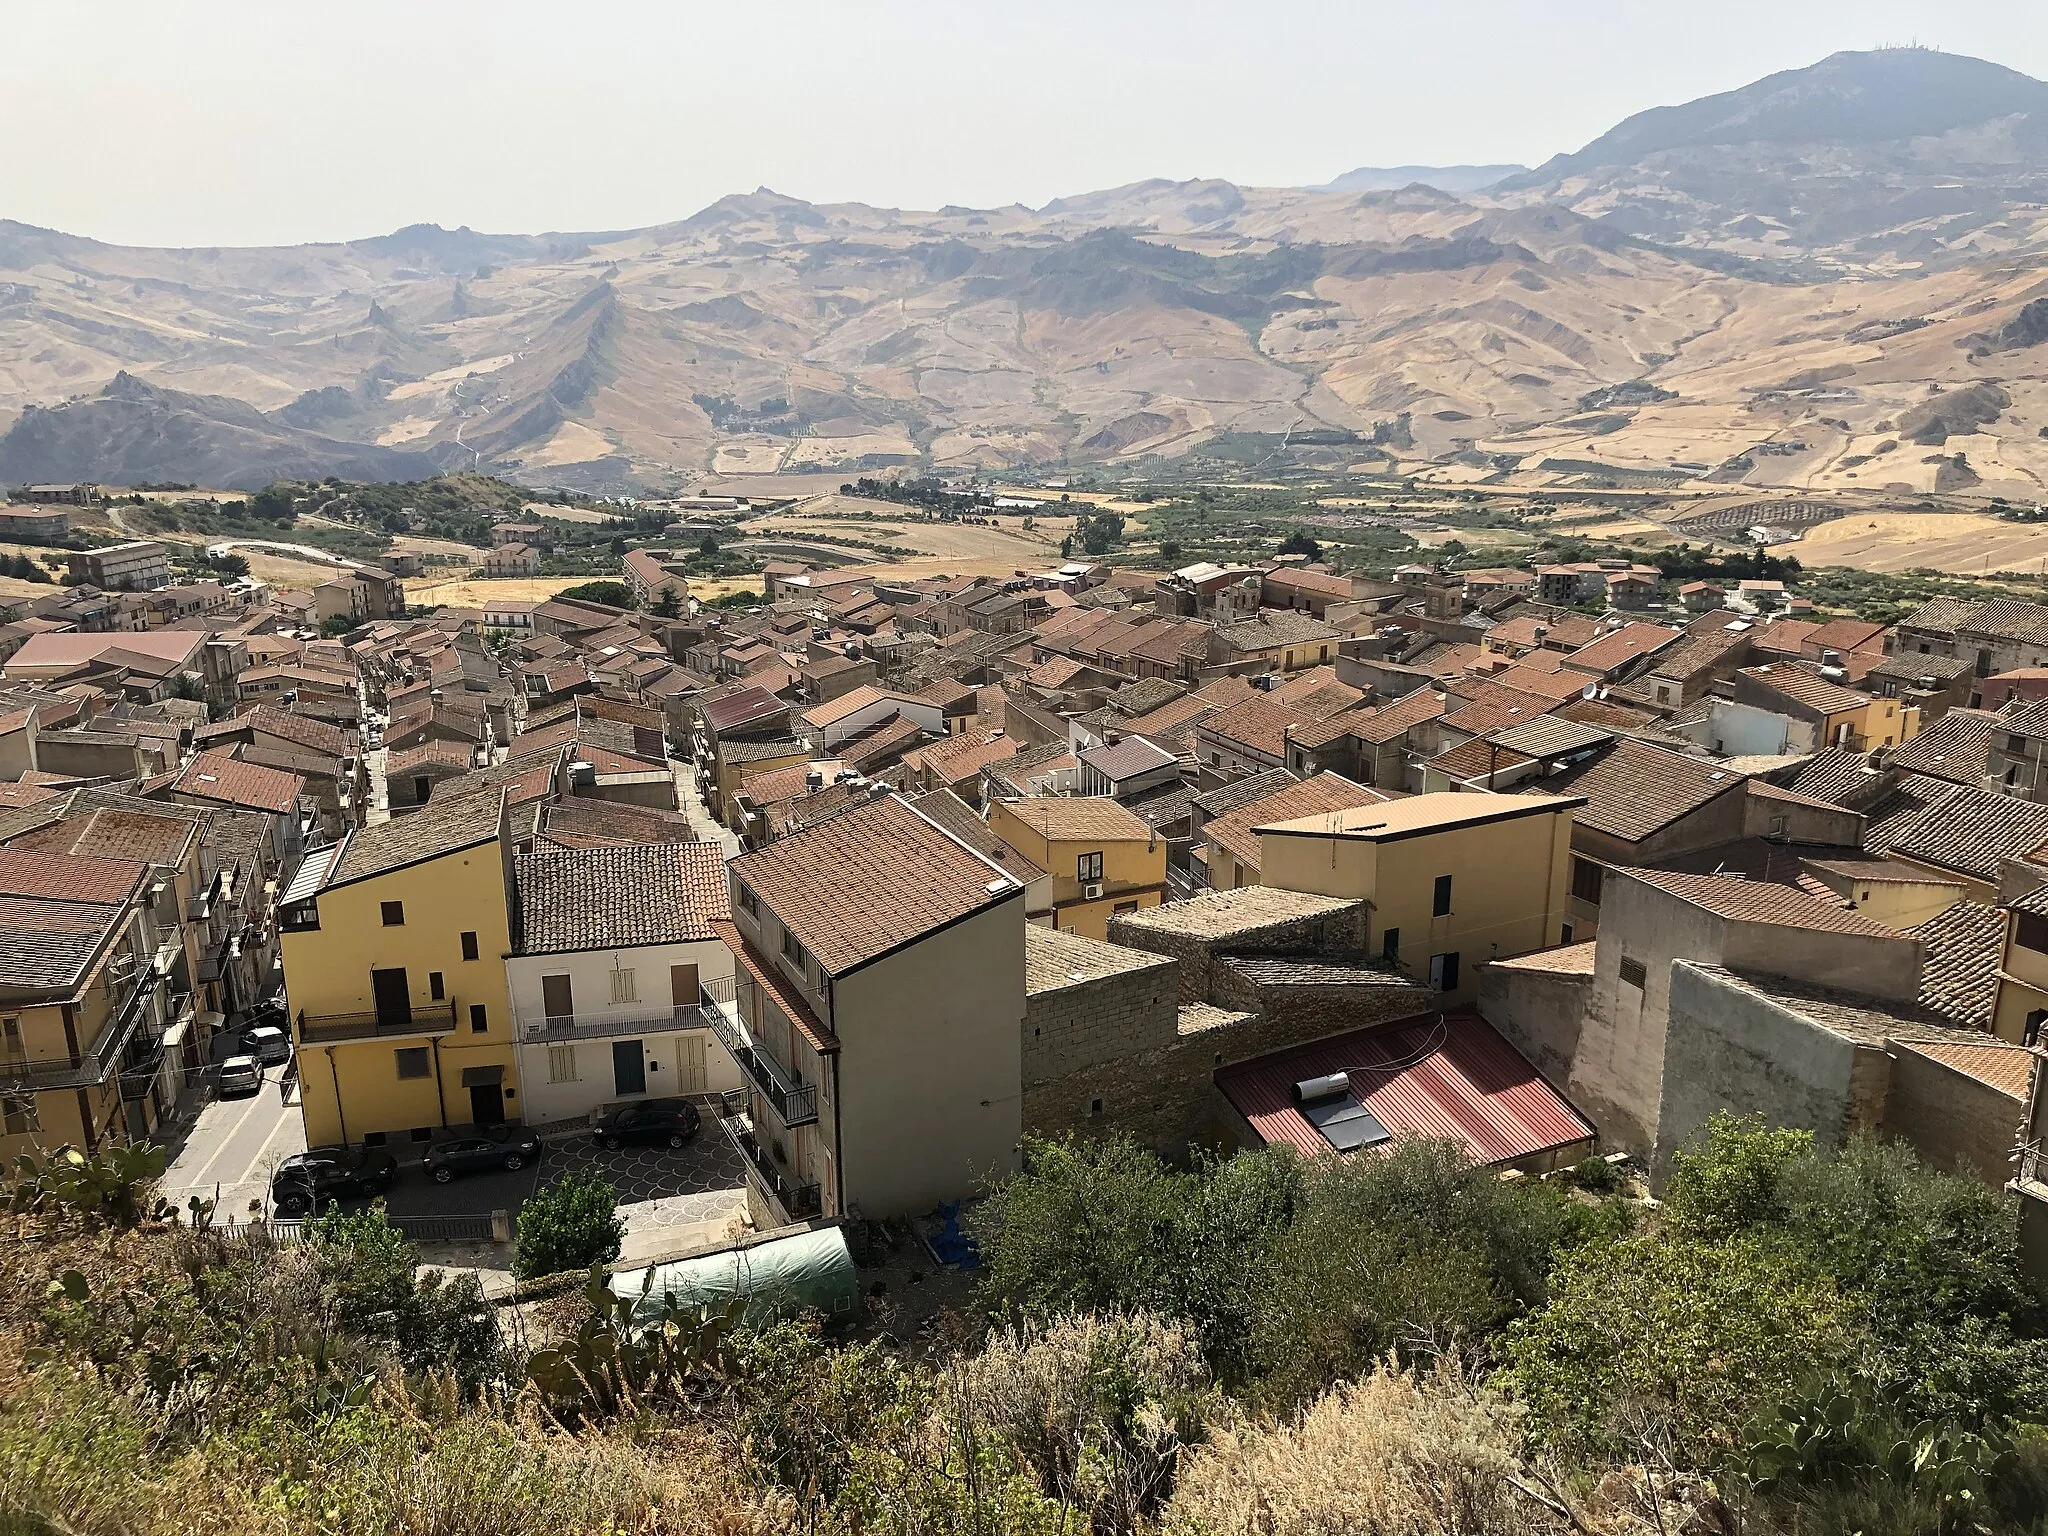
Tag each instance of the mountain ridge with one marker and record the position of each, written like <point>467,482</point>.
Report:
<point>1708,252</point>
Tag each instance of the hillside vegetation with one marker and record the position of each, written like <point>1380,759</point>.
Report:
<point>1794,1341</point>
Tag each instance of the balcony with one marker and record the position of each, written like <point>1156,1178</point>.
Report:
<point>703,1014</point>
<point>795,1103</point>
<point>797,1202</point>
<point>96,1064</point>
<point>341,1028</point>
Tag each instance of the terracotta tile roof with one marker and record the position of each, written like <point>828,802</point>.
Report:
<point>1316,796</point>
<point>832,711</point>
<point>1973,831</point>
<point>1895,812</point>
<point>1995,1063</point>
<point>1258,723</point>
<point>444,754</point>
<point>218,776</point>
<point>1846,635</point>
<point>959,818</point>
<point>1566,631</point>
<point>1475,758</point>
<point>1079,818</point>
<point>1145,695</point>
<point>1959,977</point>
<point>50,943</point>
<point>1127,759</point>
<point>869,880</point>
<point>959,758</point>
<point>1633,789</point>
<point>1056,673</point>
<point>1565,960</point>
<point>1999,619</point>
<point>68,877</point>
<point>1489,707</point>
<point>1274,628</point>
<point>1559,685</point>
<point>618,897</point>
<point>753,970</point>
<point>1171,717</point>
<point>1760,901</point>
<point>1548,736</point>
<point>1807,687</point>
<point>442,825</point>
<point>614,822</point>
<point>747,706</point>
<point>20,793</point>
<point>881,743</point>
<point>1611,652</point>
<point>1226,798</point>
<point>1449,1077</point>
<point>318,735</point>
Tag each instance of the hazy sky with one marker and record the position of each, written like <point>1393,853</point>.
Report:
<point>228,122</point>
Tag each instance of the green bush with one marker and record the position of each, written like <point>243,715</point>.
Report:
<point>572,1223</point>
<point>370,1281</point>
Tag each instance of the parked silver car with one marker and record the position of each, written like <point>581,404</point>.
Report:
<point>240,1074</point>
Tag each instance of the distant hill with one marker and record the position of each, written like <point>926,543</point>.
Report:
<point>1758,287</point>
<point>132,431</point>
<point>1445,178</point>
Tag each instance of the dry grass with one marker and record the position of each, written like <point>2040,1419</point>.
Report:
<point>1965,543</point>
<point>466,593</point>
<point>1421,1454</point>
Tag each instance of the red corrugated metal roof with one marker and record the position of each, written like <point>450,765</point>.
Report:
<point>1447,1076</point>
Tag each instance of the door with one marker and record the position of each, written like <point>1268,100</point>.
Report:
<point>394,997</point>
<point>683,987</point>
<point>557,1000</point>
<point>629,1067</point>
<point>487,1104</point>
<point>690,1063</point>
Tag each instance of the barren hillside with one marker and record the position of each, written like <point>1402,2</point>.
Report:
<point>1785,286</point>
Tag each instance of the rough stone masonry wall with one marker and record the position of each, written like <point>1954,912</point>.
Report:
<point>1952,1120</point>
<point>1341,932</point>
<point>1075,1033</point>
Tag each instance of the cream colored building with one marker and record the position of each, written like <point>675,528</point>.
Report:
<point>1453,879</point>
<point>880,1011</point>
<point>620,985</point>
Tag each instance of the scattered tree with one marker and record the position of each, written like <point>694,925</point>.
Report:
<point>572,1223</point>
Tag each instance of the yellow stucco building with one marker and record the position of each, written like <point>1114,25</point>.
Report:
<point>1101,859</point>
<point>394,948</point>
<point>1454,879</point>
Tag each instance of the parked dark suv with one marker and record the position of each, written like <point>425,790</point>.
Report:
<point>674,1121</point>
<point>308,1181</point>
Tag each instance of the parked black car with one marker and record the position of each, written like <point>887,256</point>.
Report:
<point>309,1180</point>
<point>509,1146</point>
<point>673,1121</point>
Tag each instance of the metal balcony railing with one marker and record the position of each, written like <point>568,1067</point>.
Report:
<point>699,1015</point>
<point>795,1103</point>
<point>336,1028</point>
<point>96,1063</point>
<point>797,1202</point>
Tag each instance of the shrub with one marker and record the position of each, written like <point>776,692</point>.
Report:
<point>572,1223</point>
<point>1663,1341</point>
<point>369,1277</point>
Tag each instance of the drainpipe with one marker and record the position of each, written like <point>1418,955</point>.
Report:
<point>440,1089</point>
<point>340,1115</point>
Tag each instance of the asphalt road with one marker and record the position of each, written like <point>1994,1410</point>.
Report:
<point>232,1148</point>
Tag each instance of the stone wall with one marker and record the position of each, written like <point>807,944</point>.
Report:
<point>1730,1048</point>
<point>1336,931</point>
<point>1539,1013</point>
<point>1952,1120</point>
<point>1080,1042</point>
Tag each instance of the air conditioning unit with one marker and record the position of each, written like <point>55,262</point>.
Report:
<point>1091,893</point>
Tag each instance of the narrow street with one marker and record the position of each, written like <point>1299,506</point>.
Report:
<point>233,1147</point>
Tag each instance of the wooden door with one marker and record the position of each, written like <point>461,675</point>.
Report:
<point>690,1062</point>
<point>558,1000</point>
<point>629,1067</point>
<point>393,995</point>
<point>683,986</point>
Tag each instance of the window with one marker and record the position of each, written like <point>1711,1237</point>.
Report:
<point>412,1062</point>
<point>2017,745</point>
<point>437,989</point>
<point>1586,880</point>
<point>10,1037</point>
<point>479,1019</point>
<point>1564,934</point>
<point>2030,932</point>
<point>1633,973</point>
<point>625,986</point>
<point>1390,945</point>
<point>469,946</point>
<point>1089,869</point>
<point>561,1063</point>
<point>1440,906</point>
<point>1443,972</point>
<point>748,903</point>
<point>18,1114</point>
<point>394,913</point>
<point>793,949</point>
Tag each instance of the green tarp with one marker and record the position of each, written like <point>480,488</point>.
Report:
<point>777,1278</point>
